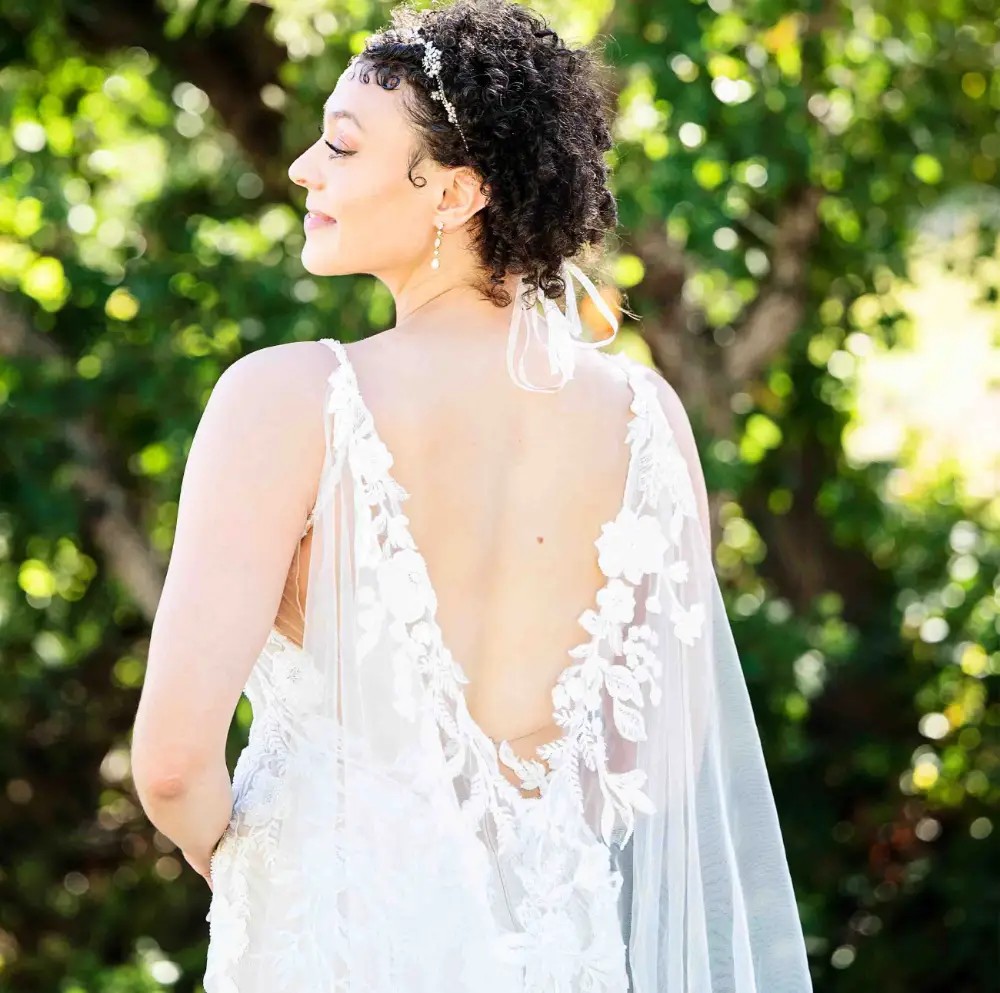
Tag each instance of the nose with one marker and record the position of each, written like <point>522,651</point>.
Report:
<point>301,173</point>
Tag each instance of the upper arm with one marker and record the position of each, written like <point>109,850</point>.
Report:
<point>680,424</point>
<point>248,485</point>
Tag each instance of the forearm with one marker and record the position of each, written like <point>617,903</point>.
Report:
<point>193,809</point>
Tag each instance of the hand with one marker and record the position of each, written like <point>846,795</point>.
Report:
<point>200,865</point>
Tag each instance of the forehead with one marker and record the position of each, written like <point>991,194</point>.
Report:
<point>366,107</point>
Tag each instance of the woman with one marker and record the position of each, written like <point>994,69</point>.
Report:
<point>483,758</point>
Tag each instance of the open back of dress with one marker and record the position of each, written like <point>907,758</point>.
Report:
<point>378,843</point>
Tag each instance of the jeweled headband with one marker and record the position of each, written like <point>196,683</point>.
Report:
<point>432,66</point>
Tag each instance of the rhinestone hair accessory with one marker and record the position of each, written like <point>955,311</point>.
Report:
<point>432,66</point>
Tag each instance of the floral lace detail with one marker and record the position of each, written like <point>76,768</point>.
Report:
<point>280,688</point>
<point>564,897</point>
<point>310,892</point>
<point>346,897</point>
<point>621,658</point>
<point>618,659</point>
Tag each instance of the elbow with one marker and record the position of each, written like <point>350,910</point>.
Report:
<point>163,773</point>
<point>166,755</point>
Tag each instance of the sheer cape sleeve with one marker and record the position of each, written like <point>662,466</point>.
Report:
<point>709,906</point>
<point>378,817</point>
<point>675,785</point>
<point>675,782</point>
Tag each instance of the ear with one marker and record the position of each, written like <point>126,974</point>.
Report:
<point>462,197</point>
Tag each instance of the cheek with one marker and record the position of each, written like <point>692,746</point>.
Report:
<point>378,204</point>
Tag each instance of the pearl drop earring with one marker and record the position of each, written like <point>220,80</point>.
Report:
<point>436,261</point>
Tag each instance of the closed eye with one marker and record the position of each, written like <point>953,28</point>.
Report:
<point>333,148</point>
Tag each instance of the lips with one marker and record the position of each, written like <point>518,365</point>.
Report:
<point>315,219</point>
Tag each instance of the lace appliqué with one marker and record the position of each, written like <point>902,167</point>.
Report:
<point>618,660</point>
<point>281,687</point>
<point>552,872</point>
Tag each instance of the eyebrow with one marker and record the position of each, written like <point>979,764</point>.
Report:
<point>328,113</point>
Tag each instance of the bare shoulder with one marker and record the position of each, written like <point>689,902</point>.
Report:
<point>274,396</point>
<point>284,381</point>
<point>290,367</point>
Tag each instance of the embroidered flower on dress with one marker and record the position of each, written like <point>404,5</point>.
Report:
<point>340,402</point>
<point>397,531</point>
<point>641,658</point>
<point>372,457</point>
<point>531,772</point>
<point>404,585</point>
<point>677,480</point>
<point>631,545</point>
<point>688,622</point>
<point>617,602</point>
<point>623,684</point>
<point>262,801</point>
<point>297,680</point>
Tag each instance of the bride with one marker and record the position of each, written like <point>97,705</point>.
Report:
<point>462,570</point>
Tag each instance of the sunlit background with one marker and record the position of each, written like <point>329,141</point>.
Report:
<point>810,235</point>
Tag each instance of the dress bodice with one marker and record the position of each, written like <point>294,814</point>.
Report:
<point>373,824</point>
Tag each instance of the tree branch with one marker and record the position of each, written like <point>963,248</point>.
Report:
<point>113,528</point>
<point>232,64</point>
<point>777,312</point>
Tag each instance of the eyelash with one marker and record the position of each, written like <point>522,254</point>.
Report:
<point>337,152</point>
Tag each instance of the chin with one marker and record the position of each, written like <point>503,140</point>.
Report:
<point>320,263</point>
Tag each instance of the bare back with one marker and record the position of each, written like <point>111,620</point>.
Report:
<point>508,493</point>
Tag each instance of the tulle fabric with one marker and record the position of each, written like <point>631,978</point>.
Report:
<point>712,907</point>
<point>347,865</point>
<point>374,845</point>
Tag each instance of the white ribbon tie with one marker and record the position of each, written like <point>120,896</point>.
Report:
<point>559,333</point>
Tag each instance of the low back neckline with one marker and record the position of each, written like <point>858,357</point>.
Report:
<point>532,771</point>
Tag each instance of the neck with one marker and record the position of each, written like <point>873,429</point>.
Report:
<point>442,302</point>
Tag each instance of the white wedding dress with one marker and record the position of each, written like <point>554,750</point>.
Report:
<point>376,845</point>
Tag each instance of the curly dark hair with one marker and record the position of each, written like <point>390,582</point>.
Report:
<point>537,120</point>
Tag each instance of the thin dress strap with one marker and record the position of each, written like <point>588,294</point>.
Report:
<point>337,348</point>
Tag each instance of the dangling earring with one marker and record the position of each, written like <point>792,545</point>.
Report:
<point>436,261</point>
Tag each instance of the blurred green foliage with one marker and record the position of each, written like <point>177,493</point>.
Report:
<point>776,166</point>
